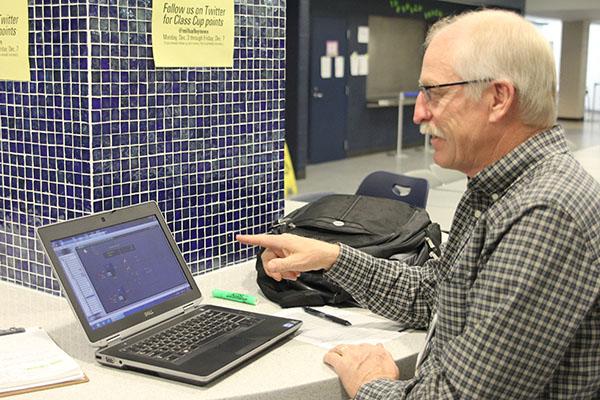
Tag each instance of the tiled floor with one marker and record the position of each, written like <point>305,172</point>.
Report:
<point>344,176</point>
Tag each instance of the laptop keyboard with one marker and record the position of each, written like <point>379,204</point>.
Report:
<point>178,341</point>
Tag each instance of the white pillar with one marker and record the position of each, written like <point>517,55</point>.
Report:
<point>573,64</point>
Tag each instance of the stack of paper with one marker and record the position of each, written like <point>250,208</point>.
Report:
<point>32,361</point>
<point>366,328</point>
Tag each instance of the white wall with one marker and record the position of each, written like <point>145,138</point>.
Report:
<point>571,96</point>
<point>593,67</point>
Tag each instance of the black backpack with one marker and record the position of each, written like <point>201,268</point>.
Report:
<point>384,228</point>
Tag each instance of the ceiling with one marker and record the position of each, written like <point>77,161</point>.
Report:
<point>566,10</point>
<point>571,10</point>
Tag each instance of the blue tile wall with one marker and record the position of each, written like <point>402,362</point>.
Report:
<point>100,127</point>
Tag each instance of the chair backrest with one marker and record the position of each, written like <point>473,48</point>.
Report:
<point>408,189</point>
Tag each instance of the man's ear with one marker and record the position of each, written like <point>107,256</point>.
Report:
<point>503,96</point>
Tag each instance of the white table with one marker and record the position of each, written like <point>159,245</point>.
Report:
<point>294,370</point>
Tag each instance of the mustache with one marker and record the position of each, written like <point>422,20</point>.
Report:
<point>427,129</point>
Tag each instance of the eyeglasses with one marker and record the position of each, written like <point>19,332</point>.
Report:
<point>426,89</point>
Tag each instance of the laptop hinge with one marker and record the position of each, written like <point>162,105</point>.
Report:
<point>188,307</point>
<point>113,338</point>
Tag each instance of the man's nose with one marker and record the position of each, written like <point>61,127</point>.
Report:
<point>422,112</point>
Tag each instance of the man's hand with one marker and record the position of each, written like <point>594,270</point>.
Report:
<point>360,364</point>
<point>286,256</point>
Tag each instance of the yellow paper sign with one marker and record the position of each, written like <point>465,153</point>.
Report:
<point>289,178</point>
<point>192,33</point>
<point>14,41</point>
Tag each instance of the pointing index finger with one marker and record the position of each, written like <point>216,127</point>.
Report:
<point>258,240</point>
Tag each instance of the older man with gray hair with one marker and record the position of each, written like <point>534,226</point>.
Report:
<point>513,304</point>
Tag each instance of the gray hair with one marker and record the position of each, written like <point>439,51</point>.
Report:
<point>503,46</point>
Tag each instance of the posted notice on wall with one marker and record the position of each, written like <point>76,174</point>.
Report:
<point>192,33</point>
<point>14,41</point>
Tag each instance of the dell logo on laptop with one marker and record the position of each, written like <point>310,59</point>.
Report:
<point>148,313</point>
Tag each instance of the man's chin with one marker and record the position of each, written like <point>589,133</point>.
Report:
<point>439,159</point>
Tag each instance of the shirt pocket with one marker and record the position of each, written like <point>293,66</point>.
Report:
<point>453,292</point>
<point>452,309</point>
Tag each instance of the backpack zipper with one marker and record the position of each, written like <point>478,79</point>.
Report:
<point>283,222</point>
<point>349,208</point>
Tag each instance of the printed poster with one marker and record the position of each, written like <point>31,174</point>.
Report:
<point>325,67</point>
<point>354,63</point>
<point>331,48</point>
<point>363,34</point>
<point>339,67</point>
<point>363,64</point>
<point>14,41</point>
<point>193,33</point>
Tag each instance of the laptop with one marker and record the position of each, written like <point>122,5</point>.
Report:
<point>137,301</point>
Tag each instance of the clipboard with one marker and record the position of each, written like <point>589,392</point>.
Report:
<point>33,362</point>
<point>44,387</point>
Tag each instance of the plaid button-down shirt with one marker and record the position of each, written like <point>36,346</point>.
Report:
<point>516,290</point>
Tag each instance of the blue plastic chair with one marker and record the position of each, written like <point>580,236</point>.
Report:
<point>409,189</point>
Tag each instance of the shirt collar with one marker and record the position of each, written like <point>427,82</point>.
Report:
<point>497,177</point>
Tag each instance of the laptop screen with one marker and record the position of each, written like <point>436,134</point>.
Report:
<point>120,270</point>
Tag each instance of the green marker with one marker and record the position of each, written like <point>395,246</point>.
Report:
<point>239,297</point>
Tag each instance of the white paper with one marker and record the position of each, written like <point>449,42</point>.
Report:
<point>363,34</point>
<point>320,332</point>
<point>363,64</point>
<point>325,67</point>
<point>331,48</point>
<point>31,359</point>
<point>339,67</point>
<point>354,64</point>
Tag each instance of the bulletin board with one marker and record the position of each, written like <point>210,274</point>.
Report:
<point>395,55</point>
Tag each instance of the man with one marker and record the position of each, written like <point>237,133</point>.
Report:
<point>516,291</point>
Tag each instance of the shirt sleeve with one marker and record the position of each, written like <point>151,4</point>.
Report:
<point>529,300</point>
<point>389,288</point>
<point>527,306</point>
